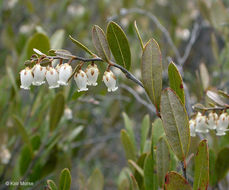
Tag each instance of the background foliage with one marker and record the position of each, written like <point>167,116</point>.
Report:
<point>90,143</point>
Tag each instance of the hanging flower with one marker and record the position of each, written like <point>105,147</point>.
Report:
<point>4,155</point>
<point>110,81</point>
<point>212,120</point>
<point>38,75</point>
<point>65,72</point>
<point>52,77</point>
<point>222,124</point>
<point>81,80</point>
<point>92,72</point>
<point>192,126</point>
<point>201,125</point>
<point>26,77</point>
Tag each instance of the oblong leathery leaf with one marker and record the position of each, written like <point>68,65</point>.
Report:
<point>119,45</point>
<point>176,82</point>
<point>65,179</point>
<point>174,181</point>
<point>201,175</point>
<point>151,69</point>
<point>128,146</point>
<point>162,160</point>
<point>57,110</point>
<point>150,178</point>
<point>222,164</point>
<point>79,44</point>
<point>136,167</point>
<point>175,123</point>
<point>100,43</point>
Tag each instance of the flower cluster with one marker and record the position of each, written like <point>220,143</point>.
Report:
<point>60,75</point>
<point>202,124</point>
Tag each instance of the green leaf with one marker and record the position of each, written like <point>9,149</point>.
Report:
<point>21,129</point>
<point>119,45</point>
<point>96,180</point>
<point>100,43</point>
<point>136,167</point>
<point>80,45</point>
<point>39,41</point>
<point>157,130</point>
<point>222,164</point>
<point>144,131</point>
<point>176,123</point>
<point>151,69</point>
<point>57,39</point>
<point>140,178</point>
<point>215,98</point>
<point>163,160</point>
<point>134,183</point>
<point>201,175</point>
<point>25,159</point>
<point>213,175</point>
<point>65,180</point>
<point>128,146</point>
<point>63,53</point>
<point>174,181</point>
<point>57,110</point>
<point>51,185</point>
<point>150,178</point>
<point>138,34</point>
<point>176,82</point>
<point>129,128</point>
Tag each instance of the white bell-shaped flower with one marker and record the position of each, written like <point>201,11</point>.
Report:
<point>92,72</point>
<point>4,155</point>
<point>222,124</point>
<point>26,77</point>
<point>52,77</point>
<point>110,81</point>
<point>65,72</point>
<point>81,80</point>
<point>212,120</point>
<point>192,126</point>
<point>201,125</point>
<point>38,75</point>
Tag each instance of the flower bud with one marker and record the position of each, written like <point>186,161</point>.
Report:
<point>212,120</point>
<point>92,72</point>
<point>192,126</point>
<point>81,80</point>
<point>201,125</point>
<point>68,113</point>
<point>110,81</point>
<point>26,77</point>
<point>65,72</point>
<point>38,75</point>
<point>52,77</point>
<point>222,124</point>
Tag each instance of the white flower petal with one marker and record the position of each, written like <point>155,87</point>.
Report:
<point>92,72</point>
<point>81,80</point>
<point>110,81</point>
<point>52,78</point>
<point>26,77</point>
<point>65,72</point>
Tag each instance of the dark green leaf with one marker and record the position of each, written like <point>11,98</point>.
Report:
<point>176,82</point>
<point>163,160</point>
<point>213,175</point>
<point>136,167</point>
<point>57,110</point>
<point>176,123</point>
<point>201,175</point>
<point>39,41</point>
<point>25,159</point>
<point>157,130</point>
<point>134,183</point>
<point>222,164</point>
<point>119,45</point>
<point>65,180</point>
<point>150,178</point>
<point>174,181</point>
<point>128,146</point>
<point>151,69</point>
<point>100,43</point>
<point>80,45</point>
